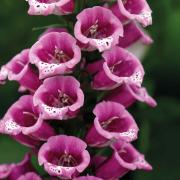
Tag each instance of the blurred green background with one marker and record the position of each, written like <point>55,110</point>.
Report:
<point>159,128</point>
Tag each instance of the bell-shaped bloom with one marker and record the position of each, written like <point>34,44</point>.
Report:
<point>128,94</point>
<point>64,156</point>
<point>119,66</point>
<point>124,158</point>
<point>100,31</point>
<point>48,7</point>
<point>133,34</point>
<point>133,10</point>
<point>112,122</point>
<point>135,40</point>
<point>87,178</point>
<point>22,121</point>
<point>29,176</point>
<point>14,171</point>
<point>59,98</point>
<point>54,54</point>
<point>18,69</point>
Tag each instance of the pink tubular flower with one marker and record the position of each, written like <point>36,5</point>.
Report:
<point>100,31</point>
<point>135,40</point>
<point>59,98</point>
<point>87,178</point>
<point>29,176</point>
<point>47,7</point>
<point>14,171</point>
<point>64,156</point>
<point>133,10</point>
<point>133,34</point>
<point>18,69</point>
<point>22,121</point>
<point>55,53</point>
<point>120,66</point>
<point>128,94</point>
<point>124,159</point>
<point>112,122</point>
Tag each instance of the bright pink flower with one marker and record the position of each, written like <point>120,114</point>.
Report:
<point>47,7</point>
<point>128,94</point>
<point>14,171</point>
<point>135,40</point>
<point>22,121</point>
<point>112,122</point>
<point>133,34</point>
<point>18,69</point>
<point>124,159</point>
<point>87,178</point>
<point>119,66</point>
<point>64,156</point>
<point>100,31</point>
<point>54,54</point>
<point>59,98</point>
<point>133,10</point>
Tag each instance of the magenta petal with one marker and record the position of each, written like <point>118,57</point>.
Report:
<point>128,94</point>
<point>94,67</point>
<point>124,159</point>
<point>138,10</point>
<point>64,156</point>
<point>27,140</point>
<point>120,66</point>
<point>5,170</point>
<point>87,178</point>
<point>47,7</point>
<point>112,122</point>
<point>92,31</point>
<point>54,54</point>
<point>18,69</point>
<point>102,82</point>
<point>23,119</point>
<point>133,34</point>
